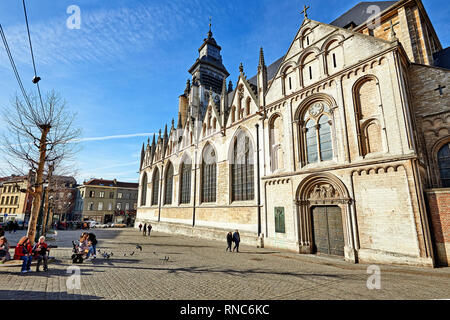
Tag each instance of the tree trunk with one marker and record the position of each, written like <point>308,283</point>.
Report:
<point>39,185</point>
<point>46,204</point>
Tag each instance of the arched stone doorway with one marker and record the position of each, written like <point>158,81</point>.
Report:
<point>326,222</point>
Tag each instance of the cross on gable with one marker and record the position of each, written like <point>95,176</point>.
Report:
<point>305,11</point>
<point>440,89</point>
<point>393,34</point>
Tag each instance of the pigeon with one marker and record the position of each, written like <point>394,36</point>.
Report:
<point>111,254</point>
<point>166,259</point>
<point>132,253</point>
<point>124,254</point>
<point>138,247</point>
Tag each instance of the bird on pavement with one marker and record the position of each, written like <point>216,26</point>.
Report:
<point>132,253</point>
<point>139,247</point>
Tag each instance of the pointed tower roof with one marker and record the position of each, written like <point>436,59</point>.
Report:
<point>262,62</point>
<point>209,62</point>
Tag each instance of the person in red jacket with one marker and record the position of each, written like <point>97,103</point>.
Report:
<point>24,252</point>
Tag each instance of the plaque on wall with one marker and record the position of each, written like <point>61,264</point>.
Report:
<point>279,220</point>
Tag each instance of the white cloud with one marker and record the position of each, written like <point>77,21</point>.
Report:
<point>106,34</point>
<point>122,136</point>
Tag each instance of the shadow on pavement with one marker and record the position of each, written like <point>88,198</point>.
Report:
<point>39,295</point>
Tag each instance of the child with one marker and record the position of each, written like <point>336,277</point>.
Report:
<point>40,250</point>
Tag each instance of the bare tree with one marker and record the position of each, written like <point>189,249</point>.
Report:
<point>38,133</point>
<point>60,195</point>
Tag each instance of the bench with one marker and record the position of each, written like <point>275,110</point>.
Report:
<point>18,263</point>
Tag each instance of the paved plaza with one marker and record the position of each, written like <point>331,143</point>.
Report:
<point>202,270</point>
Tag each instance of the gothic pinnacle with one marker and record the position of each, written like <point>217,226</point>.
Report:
<point>241,68</point>
<point>262,63</point>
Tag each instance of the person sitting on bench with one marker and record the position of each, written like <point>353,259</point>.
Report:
<point>40,250</point>
<point>4,250</point>
<point>24,252</point>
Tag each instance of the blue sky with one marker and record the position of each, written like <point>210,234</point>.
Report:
<point>123,71</point>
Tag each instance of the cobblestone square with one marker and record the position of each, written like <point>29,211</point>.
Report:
<point>202,270</point>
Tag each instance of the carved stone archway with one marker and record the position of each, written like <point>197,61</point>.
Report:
<point>325,190</point>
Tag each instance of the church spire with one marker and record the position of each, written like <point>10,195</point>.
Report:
<point>262,62</point>
<point>210,34</point>
<point>262,82</point>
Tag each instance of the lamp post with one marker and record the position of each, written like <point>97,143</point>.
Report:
<point>41,213</point>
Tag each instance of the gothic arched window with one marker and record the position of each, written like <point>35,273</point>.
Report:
<point>444,165</point>
<point>155,187</point>
<point>209,174</point>
<point>276,143</point>
<point>242,169</point>
<point>367,110</point>
<point>169,185</point>
<point>144,190</point>
<point>185,183</point>
<point>317,133</point>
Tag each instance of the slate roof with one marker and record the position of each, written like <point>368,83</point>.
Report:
<point>358,14</point>
<point>442,58</point>
<point>111,183</point>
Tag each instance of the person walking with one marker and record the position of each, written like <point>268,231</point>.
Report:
<point>15,226</point>
<point>40,250</point>
<point>24,252</point>
<point>140,227</point>
<point>145,229</point>
<point>229,241</point>
<point>149,229</point>
<point>237,240</point>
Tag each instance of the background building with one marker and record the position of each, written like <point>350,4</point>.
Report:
<point>107,201</point>
<point>15,202</point>
<point>62,197</point>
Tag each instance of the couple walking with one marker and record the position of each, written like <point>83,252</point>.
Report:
<point>146,229</point>
<point>233,237</point>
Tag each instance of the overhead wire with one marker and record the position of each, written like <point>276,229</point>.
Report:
<point>32,53</point>
<point>13,65</point>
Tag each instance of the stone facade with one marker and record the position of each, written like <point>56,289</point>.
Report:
<point>333,141</point>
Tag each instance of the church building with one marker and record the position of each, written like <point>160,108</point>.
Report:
<point>340,147</point>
